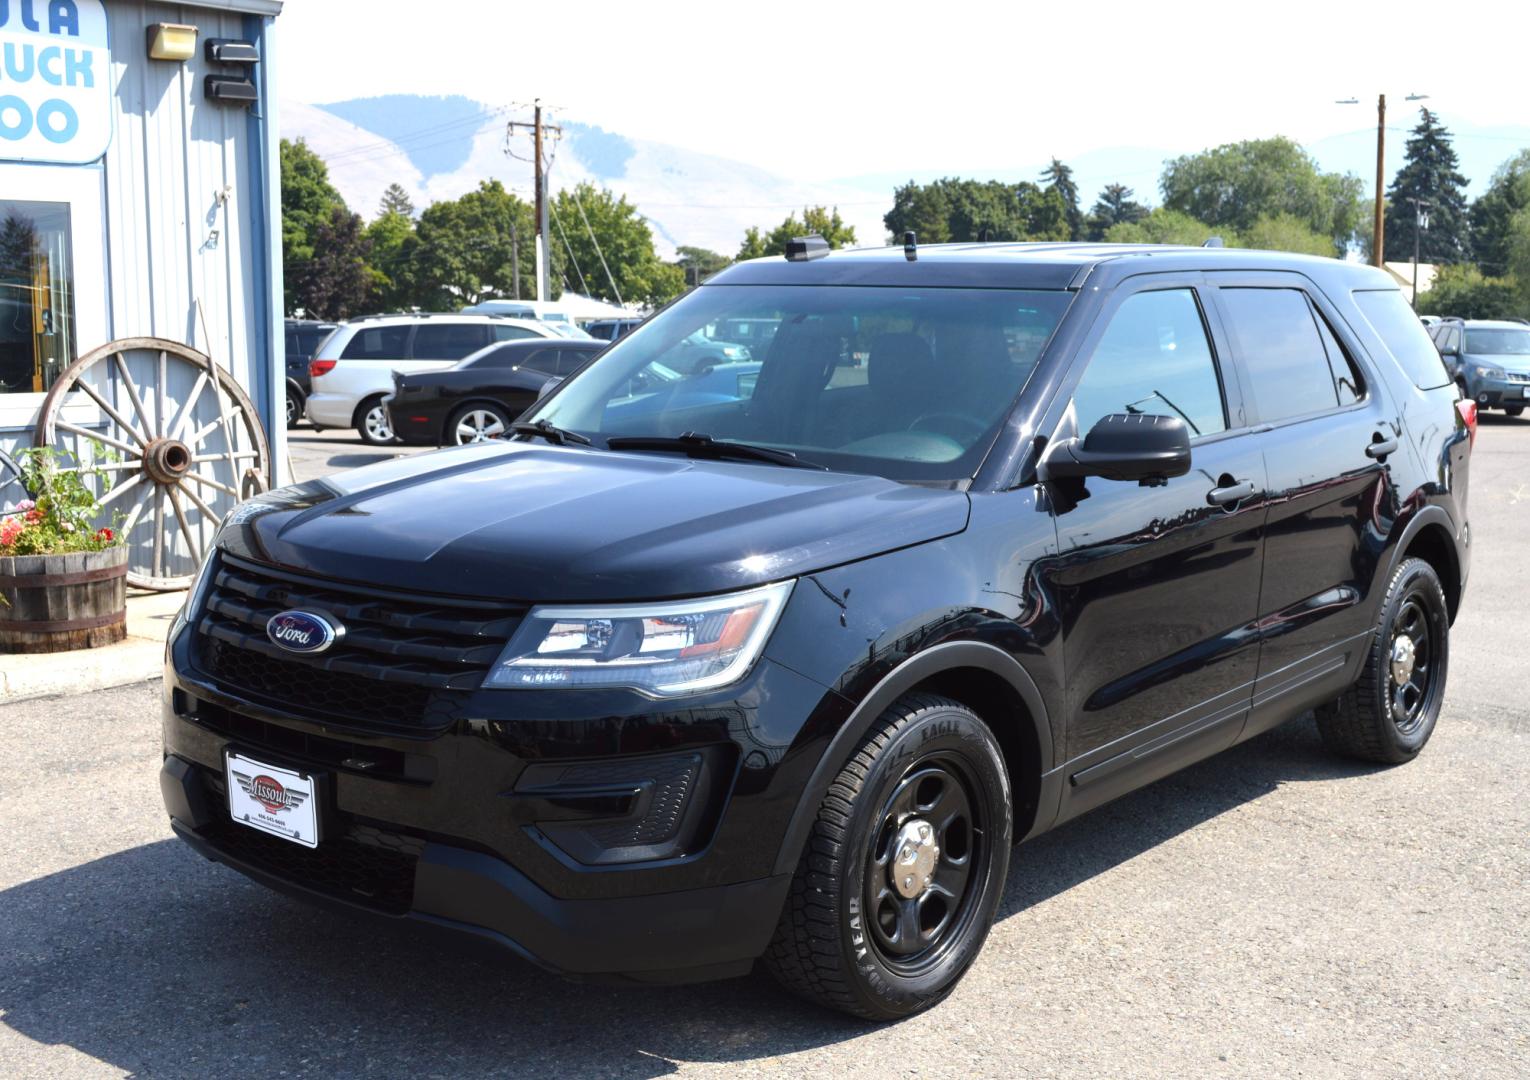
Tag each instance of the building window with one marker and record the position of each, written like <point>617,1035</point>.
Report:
<point>37,327</point>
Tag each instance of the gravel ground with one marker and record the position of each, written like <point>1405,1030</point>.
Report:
<point>1268,912</point>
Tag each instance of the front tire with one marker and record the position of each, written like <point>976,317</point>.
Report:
<point>1514,410</point>
<point>904,867</point>
<point>1388,715</point>
<point>294,408</point>
<point>373,423</point>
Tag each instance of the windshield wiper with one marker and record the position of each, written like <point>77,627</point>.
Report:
<point>698,445</point>
<point>551,432</point>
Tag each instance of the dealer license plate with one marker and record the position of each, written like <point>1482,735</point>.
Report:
<point>272,799</point>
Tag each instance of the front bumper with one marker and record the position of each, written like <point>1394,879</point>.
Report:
<point>669,937</point>
<point>440,829</point>
<point>1499,393</point>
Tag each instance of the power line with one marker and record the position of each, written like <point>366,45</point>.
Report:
<point>567,247</point>
<point>577,202</point>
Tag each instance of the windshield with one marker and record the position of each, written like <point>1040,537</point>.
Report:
<point>911,384</point>
<point>1503,342</point>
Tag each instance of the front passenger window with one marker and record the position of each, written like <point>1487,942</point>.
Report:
<point>1154,358</point>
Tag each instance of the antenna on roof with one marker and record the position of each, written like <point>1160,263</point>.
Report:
<point>1213,241</point>
<point>910,246</point>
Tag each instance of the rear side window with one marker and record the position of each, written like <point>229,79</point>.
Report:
<point>1404,337</point>
<point>1154,358</point>
<point>511,333</point>
<point>1283,352</point>
<point>377,343</point>
<point>544,361</point>
<point>449,341</point>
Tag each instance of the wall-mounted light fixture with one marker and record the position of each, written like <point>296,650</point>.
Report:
<point>172,41</point>
<point>230,90</point>
<point>231,51</point>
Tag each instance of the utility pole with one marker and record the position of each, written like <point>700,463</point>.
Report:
<point>1378,252</point>
<point>540,134</point>
<point>1381,142</point>
<point>1420,222</point>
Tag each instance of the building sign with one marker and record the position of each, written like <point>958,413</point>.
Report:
<point>55,81</point>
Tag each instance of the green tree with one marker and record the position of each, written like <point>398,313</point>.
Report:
<point>308,200</point>
<point>395,200</point>
<point>466,250</point>
<point>336,281</point>
<point>961,211</point>
<point>1463,290</point>
<point>698,264</point>
<point>610,247</point>
<point>1233,186</point>
<point>1115,206</point>
<point>1164,226</point>
<point>1429,173</point>
<point>1493,212</point>
<point>392,240</point>
<point>1059,178</point>
<point>1285,232</point>
<point>818,220</point>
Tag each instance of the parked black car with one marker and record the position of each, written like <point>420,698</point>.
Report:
<point>784,674</point>
<point>480,396</point>
<point>303,338</point>
<point>611,329</point>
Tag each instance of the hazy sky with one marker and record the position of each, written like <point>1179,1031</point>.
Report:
<point>830,89</point>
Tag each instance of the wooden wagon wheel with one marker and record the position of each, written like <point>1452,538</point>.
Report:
<point>175,457</point>
<point>11,491</point>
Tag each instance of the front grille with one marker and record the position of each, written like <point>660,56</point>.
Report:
<point>403,661</point>
<point>367,866</point>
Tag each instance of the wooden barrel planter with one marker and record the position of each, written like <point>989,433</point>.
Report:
<point>58,602</point>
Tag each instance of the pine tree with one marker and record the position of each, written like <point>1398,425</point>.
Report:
<point>396,201</point>
<point>1115,206</point>
<point>1428,173</point>
<point>1059,178</point>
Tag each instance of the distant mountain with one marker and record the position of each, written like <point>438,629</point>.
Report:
<point>441,147</point>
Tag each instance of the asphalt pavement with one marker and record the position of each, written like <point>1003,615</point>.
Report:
<point>1270,912</point>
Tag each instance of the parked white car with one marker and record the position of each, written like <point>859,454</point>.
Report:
<point>547,311</point>
<point>353,371</point>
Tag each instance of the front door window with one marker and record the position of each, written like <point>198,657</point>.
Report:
<point>37,328</point>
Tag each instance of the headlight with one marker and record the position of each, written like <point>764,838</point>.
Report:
<point>1487,372</point>
<point>676,647</point>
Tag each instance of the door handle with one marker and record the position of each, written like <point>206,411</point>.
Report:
<point>1381,445</point>
<point>1230,493</point>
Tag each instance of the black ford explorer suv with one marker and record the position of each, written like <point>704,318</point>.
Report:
<point>999,533</point>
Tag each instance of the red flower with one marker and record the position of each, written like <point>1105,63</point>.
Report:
<point>34,516</point>
<point>105,535</point>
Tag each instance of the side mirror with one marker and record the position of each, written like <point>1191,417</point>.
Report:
<point>549,386</point>
<point>1123,446</point>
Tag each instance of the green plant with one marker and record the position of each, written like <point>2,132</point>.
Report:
<point>59,516</point>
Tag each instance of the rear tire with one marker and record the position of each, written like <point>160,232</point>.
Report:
<point>373,424</point>
<point>1385,717</point>
<point>294,409</point>
<point>904,867</point>
<point>476,423</point>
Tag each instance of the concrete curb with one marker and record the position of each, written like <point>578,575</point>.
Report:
<point>138,658</point>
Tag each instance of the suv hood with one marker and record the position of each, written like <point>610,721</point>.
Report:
<point>519,521</point>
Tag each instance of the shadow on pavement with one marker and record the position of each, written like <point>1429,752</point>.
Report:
<point>162,964</point>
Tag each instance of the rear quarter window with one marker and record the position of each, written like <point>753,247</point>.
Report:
<point>1403,336</point>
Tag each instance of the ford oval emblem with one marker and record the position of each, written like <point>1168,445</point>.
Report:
<point>302,631</point>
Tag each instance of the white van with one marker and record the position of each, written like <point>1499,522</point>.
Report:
<point>546,311</point>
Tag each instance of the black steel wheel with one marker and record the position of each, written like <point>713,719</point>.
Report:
<point>904,867</point>
<point>1389,714</point>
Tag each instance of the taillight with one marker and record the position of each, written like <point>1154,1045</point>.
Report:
<point>320,367</point>
<point>1468,411</point>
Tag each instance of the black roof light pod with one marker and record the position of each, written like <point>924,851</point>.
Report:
<point>803,248</point>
